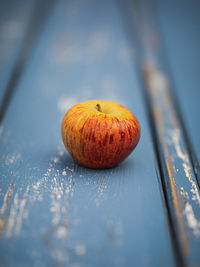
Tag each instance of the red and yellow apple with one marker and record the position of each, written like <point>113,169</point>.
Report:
<point>99,133</point>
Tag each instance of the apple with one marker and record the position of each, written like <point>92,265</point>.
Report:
<point>100,134</point>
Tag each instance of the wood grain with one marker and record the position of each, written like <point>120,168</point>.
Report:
<point>184,61</point>
<point>179,180</point>
<point>60,213</point>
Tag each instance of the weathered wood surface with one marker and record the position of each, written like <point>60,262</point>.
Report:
<point>170,133</point>
<point>182,48</point>
<point>13,22</point>
<point>18,35</point>
<point>144,212</point>
<point>54,212</point>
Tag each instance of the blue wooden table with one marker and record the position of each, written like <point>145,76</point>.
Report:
<point>142,54</point>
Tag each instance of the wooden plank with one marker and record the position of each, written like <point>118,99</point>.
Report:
<point>182,46</point>
<point>13,23</point>
<point>179,180</point>
<point>32,29</point>
<point>53,211</point>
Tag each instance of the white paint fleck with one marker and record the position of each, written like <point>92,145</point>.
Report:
<point>16,214</point>
<point>194,190</point>
<point>58,196</point>
<point>176,140</point>
<point>60,190</point>
<point>159,89</point>
<point>20,216</point>
<point>12,158</point>
<point>37,185</point>
<point>184,194</point>
<point>61,153</point>
<point>157,81</point>
<point>69,169</point>
<point>61,232</point>
<point>175,135</point>
<point>12,216</point>
<point>59,181</point>
<point>56,159</point>
<point>40,197</point>
<point>4,206</point>
<point>80,250</point>
<point>192,222</point>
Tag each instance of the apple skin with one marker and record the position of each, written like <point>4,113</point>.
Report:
<point>100,134</point>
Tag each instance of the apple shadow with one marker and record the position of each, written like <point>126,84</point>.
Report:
<point>62,160</point>
<point>124,166</point>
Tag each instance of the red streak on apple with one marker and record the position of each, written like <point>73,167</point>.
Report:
<point>99,133</point>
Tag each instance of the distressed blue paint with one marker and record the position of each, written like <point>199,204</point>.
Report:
<point>180,25</point>
<point>111,217</point>
<point>13,22</point>
<point>181,187</point>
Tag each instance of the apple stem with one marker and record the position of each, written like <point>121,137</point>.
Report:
<point>98,107</point>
